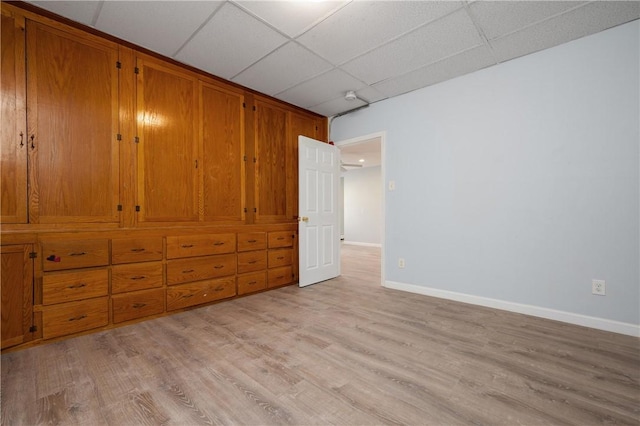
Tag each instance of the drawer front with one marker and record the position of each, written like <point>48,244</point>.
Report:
<point>185,295</point>
<point>250,283</point>
<point>200,245</point>
<point>73,317</point>
<point>136,277</point>
<point>59,255</point>
<point>280,239</point>
<point>141,304</point>
<point>252,261</point>
<point>279,276</point>
<point>69,286</point>
<point>249,241</point>
<point>130,250</point>
<point>200,268</point>
<point>280,257</point>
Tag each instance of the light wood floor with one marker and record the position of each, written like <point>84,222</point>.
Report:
<point>346,351</point>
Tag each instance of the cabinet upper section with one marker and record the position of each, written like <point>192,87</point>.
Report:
<point>115,137</point>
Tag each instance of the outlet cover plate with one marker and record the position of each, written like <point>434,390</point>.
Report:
<point>598,287</point>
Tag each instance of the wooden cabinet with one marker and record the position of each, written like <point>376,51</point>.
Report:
<point>17,294</point>
<point>138,304</point>
<point>74,317</point>
<point>280,258</point>
<point>72,116</point>
<point>167,117</point>
<point>223,153</point>
<point>13,132</point>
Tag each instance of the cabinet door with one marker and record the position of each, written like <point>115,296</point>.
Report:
<point>168,146</point>
<point>223,173</point>
<point>17,294</point>
<point>301,125</point>
<point>13,169</point>
<point>272,202</point>
<point>72,116</point>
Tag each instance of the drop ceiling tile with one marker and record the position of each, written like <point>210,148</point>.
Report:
<point>585,20</point>
<point>336,106</point>
<point>322,88</point>
<point>161,26</point>
<point>463,63</point>
<point>361,26</point>
<point>498,18</point>
<point>370,94</point>
<point>291,17</point>
<point>445,37</point>
<point>231,41</point>
<point>79,11</point>
<point>286,67</point>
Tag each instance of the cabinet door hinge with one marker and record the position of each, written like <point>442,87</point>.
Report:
<point>33,329</point>
<point>118,64</point>
<point>136,70</point>
<point>254,107</point>
<point>245,209</point>
<point>244,105</point>
<point>255,210</point>
<point>119,207</point>
<point>119,137</point>
<point>244,158</point>
<point>137,208</point>
<point>33,255</point>
<point>254,160</point>
<point>136,139</point>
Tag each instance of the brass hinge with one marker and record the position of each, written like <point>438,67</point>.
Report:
<point>119,137</point>
<point>137,208</point>
<point>33,329</point>
<point>136,139</point>
<point>33,255</point>
<point>136,70</point>
<point>118,64</point>
<point>244,158</point>
<point>119,207</point>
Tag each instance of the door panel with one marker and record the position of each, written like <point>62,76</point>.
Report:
<point>319,170</point>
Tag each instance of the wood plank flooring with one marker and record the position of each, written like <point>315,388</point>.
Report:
<point>345,352</point>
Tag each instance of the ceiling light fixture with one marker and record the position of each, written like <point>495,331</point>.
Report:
<point>350,96</point>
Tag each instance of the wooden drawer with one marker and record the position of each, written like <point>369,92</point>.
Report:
<point>200,268</point>
<point>250,283</point>
<point>136,277</point>
<point>280,239</point>
<point>251,261</point>
<point>200,245</point>
<point>69,286</point>
<point>74,254</point>
<point>279,276</point>
<point>130,250</point>
<point>73,317</point>
<point>249,241</point>
<point>280,257</point>
<point>126,307</point>
<point>185,295</point>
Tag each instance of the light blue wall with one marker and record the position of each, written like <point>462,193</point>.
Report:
<point>520,182</point>
<point>363,205</point>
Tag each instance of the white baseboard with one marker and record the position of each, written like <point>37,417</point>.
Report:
<point>568,317</point>
<point>355,243</point>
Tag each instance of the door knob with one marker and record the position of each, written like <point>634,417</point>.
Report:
<point>304,219</point>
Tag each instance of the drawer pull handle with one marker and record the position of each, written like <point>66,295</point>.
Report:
<point>280,238</point>
<point>251,262</point>
<point>186,245</point>
<point>280,277</point>
<point>219,266</point>
<point>78,285</point>
<point>138,277</point>
<point>139,305</point>
<point>187,271</point>
<point>80,253</point>
<point>186,296</point>
<point>81,317</point>
<point>280,257</point>
<point>218,243</point>
<point>252,282</point>
<point>137,250</point>
<point>219,288</point>
<point>252,241</point>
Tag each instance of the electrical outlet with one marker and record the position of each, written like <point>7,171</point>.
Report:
<point>401,263</point>
<point>598,287</point>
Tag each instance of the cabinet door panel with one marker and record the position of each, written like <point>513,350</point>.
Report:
<point>13,169</point>
<point>222,154</point>
<point>72,111</point>
<point>271,165</point>
<point>168,147</point>
<point>17,294</point>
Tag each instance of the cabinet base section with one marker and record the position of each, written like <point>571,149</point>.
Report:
<point>250,283</point>
<point>136,305</point>
<point>192,294</point>
<point>74,317</point>
<point>279,276</point>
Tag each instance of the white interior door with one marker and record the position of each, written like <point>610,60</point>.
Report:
<point>318,226</point>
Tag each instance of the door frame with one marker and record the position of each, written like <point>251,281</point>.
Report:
<point>359,139</point>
